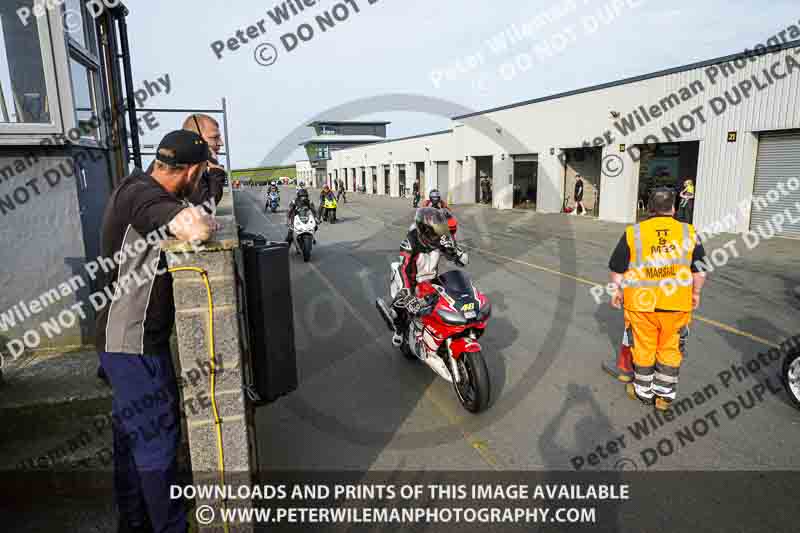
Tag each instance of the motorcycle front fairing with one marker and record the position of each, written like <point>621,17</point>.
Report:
<point>460,314</point>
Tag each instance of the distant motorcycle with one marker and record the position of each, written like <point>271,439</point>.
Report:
<point>273,201</point>
<point>329,209</point>
<point>791,376</point>
<point>444,334</point>
<point>303,227</point>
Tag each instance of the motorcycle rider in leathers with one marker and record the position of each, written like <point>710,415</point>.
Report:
<point>302,200</point>
<point>435,200</point>
<point>428,240</point>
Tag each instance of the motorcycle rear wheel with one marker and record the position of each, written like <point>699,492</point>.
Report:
<point>791,376</point>
<point>474,389</point>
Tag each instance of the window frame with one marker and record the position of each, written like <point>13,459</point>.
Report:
<point>29,132</point>
<point>93,63</point>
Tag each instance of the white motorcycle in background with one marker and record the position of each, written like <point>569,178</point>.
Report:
<point>303,228</point>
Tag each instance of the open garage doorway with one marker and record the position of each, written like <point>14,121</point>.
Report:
<point>586,163</point>
<point>419,173</point>
<point>374,171</point>
<point>483,179</point>
<point>669,165</point>
<point>401,174</point>
<point>363,187</point>
<point>387,180</point>
<point>526,169</point>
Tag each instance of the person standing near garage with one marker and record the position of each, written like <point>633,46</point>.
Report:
<point>654,268</point>
<point>133,331</point>
<point>578,196</point>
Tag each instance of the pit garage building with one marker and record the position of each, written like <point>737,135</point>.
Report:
<point>731,124</point>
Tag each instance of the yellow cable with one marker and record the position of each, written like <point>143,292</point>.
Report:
<point>213,360</point>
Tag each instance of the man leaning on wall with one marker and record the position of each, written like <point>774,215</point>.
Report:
<point>133,332</point>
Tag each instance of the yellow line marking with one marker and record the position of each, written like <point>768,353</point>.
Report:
<point>699,318</point>
<point>481,447</point>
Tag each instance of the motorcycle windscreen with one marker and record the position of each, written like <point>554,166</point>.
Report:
<point>458,286</point>
<point>456,282</point>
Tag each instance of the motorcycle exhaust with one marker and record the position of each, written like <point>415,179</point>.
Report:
<point>388,314</point>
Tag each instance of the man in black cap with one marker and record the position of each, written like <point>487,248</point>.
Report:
<point>210,186</point>
<point>134,328</point>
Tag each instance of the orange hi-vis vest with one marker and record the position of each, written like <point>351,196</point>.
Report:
<point>659,275</point>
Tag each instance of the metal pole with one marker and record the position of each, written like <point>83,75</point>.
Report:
<point>227,140</point>
<point>126,64</point>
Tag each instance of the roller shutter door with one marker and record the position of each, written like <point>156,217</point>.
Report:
<point>778,162</point>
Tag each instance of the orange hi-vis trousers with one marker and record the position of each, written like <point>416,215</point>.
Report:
<point>656,347</point>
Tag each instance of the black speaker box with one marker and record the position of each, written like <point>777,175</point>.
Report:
<point>270,318</point>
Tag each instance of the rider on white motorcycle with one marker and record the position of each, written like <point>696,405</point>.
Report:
<point>428,240</point>
<point>302,200</point>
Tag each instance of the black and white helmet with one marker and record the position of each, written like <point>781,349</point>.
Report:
<point>435,196</point>
<point>431,226</point>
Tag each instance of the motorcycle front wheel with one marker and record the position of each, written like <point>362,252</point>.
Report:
<point>791,376</point>
<point>305,245</point>
<point>473,389</point>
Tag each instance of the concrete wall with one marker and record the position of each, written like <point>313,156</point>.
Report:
<point>192,327</point>
<point>42,243</point>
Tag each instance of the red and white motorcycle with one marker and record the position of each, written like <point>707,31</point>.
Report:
<point>444,333</point>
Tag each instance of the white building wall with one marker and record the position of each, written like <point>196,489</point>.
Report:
<point>404,152</point>
<point>725,170</point>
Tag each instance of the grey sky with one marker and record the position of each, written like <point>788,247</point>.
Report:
<point>395,46</point>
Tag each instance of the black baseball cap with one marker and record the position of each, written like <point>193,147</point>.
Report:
<point>182,147</point>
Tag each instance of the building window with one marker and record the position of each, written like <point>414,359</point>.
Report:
<point>83,84</point>
<point>84,62</point>
<point>79,26</point>
<point>328,130</point>
<point>322,151</point>
<point>24,97</point>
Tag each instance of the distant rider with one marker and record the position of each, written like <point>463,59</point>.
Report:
<point>295,205</point>
<point>435,200</point>
<point>273,187</point>
<point>322,195</point>
<point>427,241</point>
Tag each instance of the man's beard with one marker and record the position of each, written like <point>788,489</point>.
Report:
<point>190,188</point>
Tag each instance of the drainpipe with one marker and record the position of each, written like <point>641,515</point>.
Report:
<point>126,65</point>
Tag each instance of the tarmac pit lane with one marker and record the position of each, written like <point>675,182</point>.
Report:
<point>601,453</point>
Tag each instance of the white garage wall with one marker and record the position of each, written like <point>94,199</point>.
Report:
<point>725,170</point>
